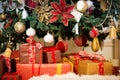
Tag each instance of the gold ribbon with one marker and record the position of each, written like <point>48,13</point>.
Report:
<point>59,65</point>
<point>59,68</point>
<point>68,61</point>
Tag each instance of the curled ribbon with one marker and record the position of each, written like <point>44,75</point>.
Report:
<point>31,50</point>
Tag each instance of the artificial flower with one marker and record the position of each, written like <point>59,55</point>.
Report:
<point>61,10</point>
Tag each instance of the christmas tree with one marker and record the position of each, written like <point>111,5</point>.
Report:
<point>65,18</point>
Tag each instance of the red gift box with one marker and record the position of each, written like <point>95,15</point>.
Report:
<point>3,68</point>
<point>25,56</point>
<point>11,76</point>
<point>25,70</point>
<point>52,55</point>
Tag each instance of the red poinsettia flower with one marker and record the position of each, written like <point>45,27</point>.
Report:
<point>61,10</point>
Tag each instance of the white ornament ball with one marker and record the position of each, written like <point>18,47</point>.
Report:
<point>30,32</point>
<point>48,38</point>
<point>82,6</point>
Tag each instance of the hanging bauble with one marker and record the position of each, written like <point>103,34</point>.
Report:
<point>113,33</point>
<point>30,32</point>
<point>3,16</point>
<point>19,27</point>
<point>95,44</point>
<point>93,32</point>
<point>81,40</point>
<point>81,6</point>
<point>62,45</point>
<point>48,38</point>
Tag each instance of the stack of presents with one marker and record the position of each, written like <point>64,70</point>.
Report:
<point>35,59</point>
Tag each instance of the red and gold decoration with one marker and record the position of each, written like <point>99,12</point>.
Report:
<point>19,27</point>
<point>95,46</point>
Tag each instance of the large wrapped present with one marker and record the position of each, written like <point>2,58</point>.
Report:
<point>90,67</point>
<point>11,76</point>
<point>26,53</point>
<point>25,70</point>
<point>52,55</point>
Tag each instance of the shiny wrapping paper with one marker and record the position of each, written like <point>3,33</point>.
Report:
<point>25,70</point>
<point>24,54</point>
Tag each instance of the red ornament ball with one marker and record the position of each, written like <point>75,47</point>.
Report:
<point>62,46</point>
<point>80,40</point>
<point>93,32</point>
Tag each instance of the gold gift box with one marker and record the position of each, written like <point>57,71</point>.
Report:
<point>88,67</point>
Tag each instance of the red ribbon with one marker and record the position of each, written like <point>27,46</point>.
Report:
<point>7,75</point>
<point>53,57</point>
<point>52,50</point>
<point>101,68</point>
<point>31,51</point>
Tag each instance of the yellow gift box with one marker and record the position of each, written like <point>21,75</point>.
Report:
<point>88,67</point>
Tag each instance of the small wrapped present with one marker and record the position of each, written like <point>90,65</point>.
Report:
<point>26,53</point>
<point>11,76</point>
<point>52,55</point>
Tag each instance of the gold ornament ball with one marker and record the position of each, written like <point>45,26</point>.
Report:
<point>19,27</point>
<point>3,16</point>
